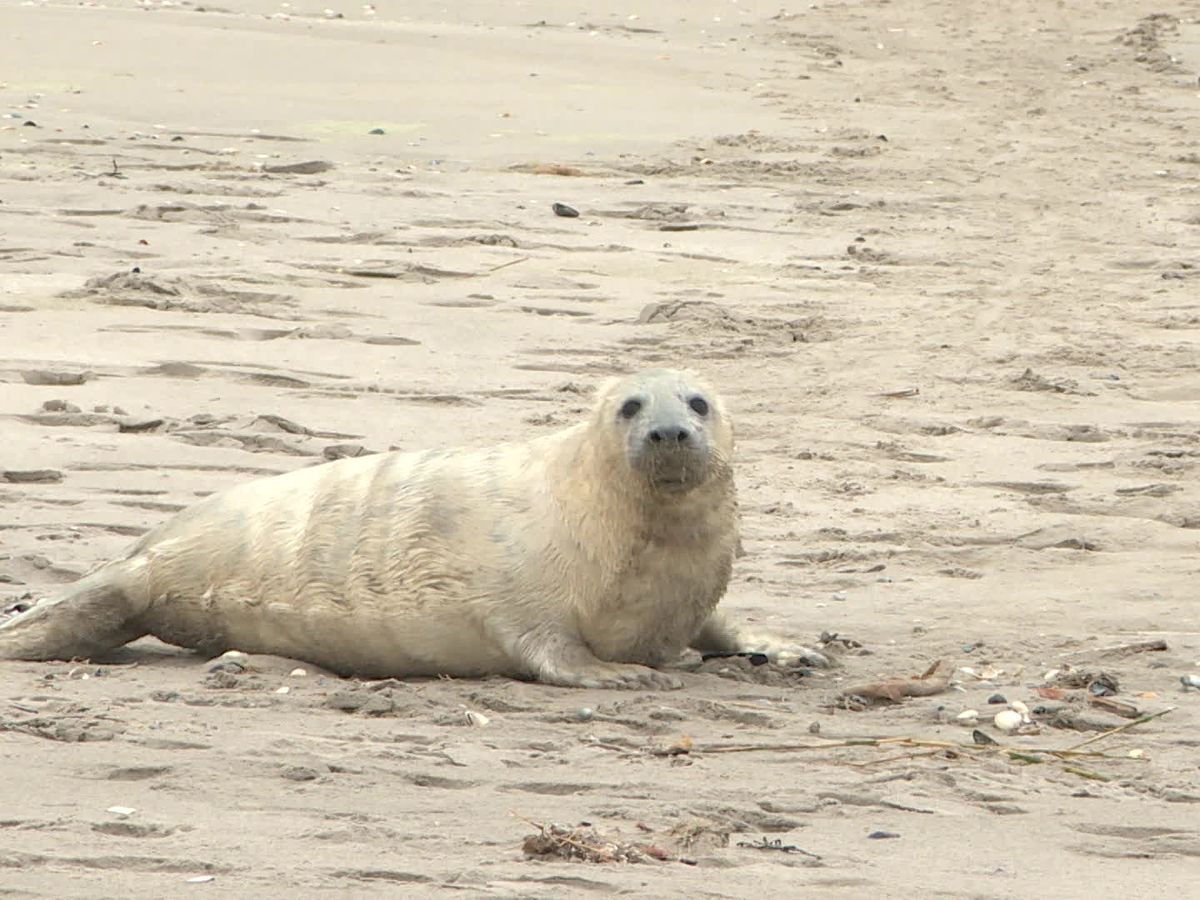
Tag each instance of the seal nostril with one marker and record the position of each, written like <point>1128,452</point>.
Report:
<point>670,433</point>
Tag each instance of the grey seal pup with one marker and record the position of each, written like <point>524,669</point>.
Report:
<point>583,558</point>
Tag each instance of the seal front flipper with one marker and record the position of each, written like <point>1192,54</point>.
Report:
<point>96,614</point>
<point>721,634</point>
<point>553,656</point>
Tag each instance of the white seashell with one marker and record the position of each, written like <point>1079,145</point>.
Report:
<point>298,673</point>
<point>968,717</point>
<point>1136,754</point>
<point>1007,720</point>
<point>967,670</point>
<point>200,879</point>
<point>282,690</point>
<point>123,811</point>
<point>232,654</point>
<point>1050,675</point>
<point>1019,707</point>
<point>476,719</point>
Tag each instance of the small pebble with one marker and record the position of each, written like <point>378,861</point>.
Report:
<point>300,773</point>
<point>200,879</point>
<point>298,673</point>
<point>376,131</point>
<point>1190,682</point>
<point>60,406</point>
<point>282,690</point>
<point>1018,707</point>
<point>838,596</point>
<point>123,811</point>
<point>997,698</point>
<point>477,719</point>
<point>585,714</point>
<point>378,705</point>
<point>567,212</point>
<point>882,835</point>
<point>1136,754</point>
<point>967,717</point>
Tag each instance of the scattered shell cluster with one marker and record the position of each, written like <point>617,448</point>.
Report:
<point>1007,720</point>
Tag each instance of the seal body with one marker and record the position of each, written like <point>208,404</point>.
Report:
<point>586,557</point>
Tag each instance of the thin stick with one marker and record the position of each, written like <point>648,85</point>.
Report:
<point>860,742</point>
<point>886,759</point>
<point>1136,647</point>
<point>1084,773</point>
<point>1102,735</point>
<point>511,262</point>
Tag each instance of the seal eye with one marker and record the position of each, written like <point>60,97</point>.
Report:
<point>699,406</point>
<point>631,408</point>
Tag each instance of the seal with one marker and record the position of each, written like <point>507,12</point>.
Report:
<point>586,558</point>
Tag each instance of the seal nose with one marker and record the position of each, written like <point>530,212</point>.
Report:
<point>669,434</point>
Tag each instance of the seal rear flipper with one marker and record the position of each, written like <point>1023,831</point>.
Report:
<point>92,616</point>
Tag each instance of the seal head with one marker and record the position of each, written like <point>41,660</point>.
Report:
<point>673,429</point>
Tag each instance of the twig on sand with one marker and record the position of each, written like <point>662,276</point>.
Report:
<point>1064,758</point>
<point>1157,645</point>
<point>777,844</point>
<point>674,749</point>
<point>505,265</point>
<point>1104,734</point>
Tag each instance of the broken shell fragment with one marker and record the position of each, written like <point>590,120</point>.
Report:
<point>967,717</point>
<point>1007,720</point>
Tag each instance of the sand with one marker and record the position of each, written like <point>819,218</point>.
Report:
<point>940,258</point>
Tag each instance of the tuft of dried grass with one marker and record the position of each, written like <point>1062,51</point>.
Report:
<point>584,844</point>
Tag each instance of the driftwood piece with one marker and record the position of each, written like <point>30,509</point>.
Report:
<point>934,680</point>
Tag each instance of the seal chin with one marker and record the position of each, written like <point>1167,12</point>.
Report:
<point>668,485</point>
<point>674,476</point>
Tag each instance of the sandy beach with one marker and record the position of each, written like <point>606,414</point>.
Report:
<point>940,258</point>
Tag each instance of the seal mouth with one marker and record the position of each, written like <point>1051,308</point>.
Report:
<point>675,479</point>
<point>673,470</point>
